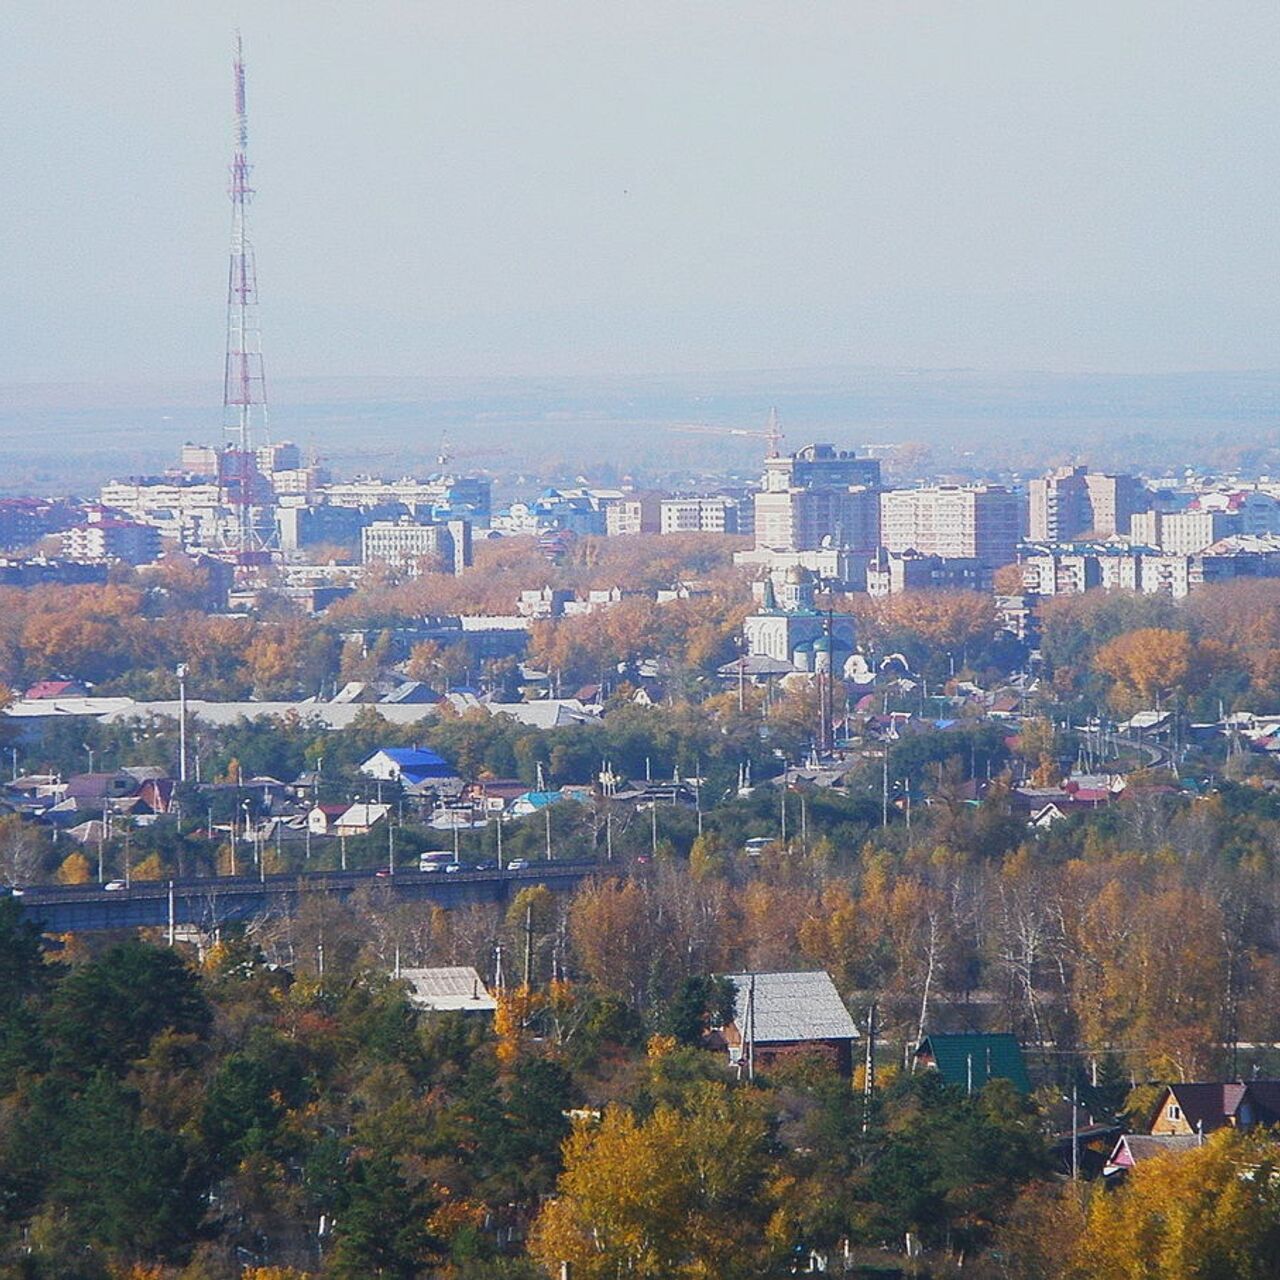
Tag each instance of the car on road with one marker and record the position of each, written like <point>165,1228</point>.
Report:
<point>453,868</point>
<point>518,864</point>
<point>114,886</point>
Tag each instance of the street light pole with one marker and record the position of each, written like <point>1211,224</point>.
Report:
<point>182,721</point>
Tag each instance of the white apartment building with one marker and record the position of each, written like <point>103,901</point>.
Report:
<point>699,515</point>
<point>110,539</point>
<point>981,522</point>
<point>405,545</point>
<point>1183,533</point>
<point>190,514</point>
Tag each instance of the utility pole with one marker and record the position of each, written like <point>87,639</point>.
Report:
<point>884,791</point>
<point>1075,1136</point>
<point>751,1027</point>
<point>869,1075</point>
<point>528,946</point>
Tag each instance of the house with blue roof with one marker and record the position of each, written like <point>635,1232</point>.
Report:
<point>409,766</point>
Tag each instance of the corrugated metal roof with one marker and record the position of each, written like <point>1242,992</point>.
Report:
<point>974,1058</point>
<point>460,987</point>
<point>792,1007</point>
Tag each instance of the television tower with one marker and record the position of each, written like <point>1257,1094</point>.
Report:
<point>244,387</point>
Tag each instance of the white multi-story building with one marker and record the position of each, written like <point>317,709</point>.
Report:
<point>1183,533</point>
<point>111,539</point>
<point>190,514</point>
<point>699,515</point>
<point>407,545</point>
<point>979,522</point>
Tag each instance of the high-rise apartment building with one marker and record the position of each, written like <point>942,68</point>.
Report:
<point>980,522</point>
<point>818,497</point>
<point>1073,501</point>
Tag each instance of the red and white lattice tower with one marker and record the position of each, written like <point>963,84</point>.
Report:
<point>244,388</point>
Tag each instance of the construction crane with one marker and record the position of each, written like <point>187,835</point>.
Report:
<point>448,454</point>
<point>772,434</point>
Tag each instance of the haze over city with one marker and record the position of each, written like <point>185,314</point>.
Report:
<point>564,188</point>
<point>640,641</point>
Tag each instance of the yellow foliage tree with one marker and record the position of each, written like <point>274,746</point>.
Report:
<point>75,869</point>
<point>1210,1212</point>
<point>149,868</point>
<point>668,1198</point>
<point>1145,662</point>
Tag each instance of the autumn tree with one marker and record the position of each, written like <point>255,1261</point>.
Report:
<point>1213,1211</point>
<point>677,1195</point>
<point>1144,663</point>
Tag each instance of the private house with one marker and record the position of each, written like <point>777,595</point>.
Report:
<point>360,818</point>
<point>458,989</point>
<point>1133,1148</point>
<point>322,819</point>
<point>409,766</point>
<point>1189,1110</point>
<point>969,1059</point>
<point>782,1015</point>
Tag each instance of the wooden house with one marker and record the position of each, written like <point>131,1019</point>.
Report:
<point>781,1015</point>
<point>1201,1107</point>
<point>969,1059</point>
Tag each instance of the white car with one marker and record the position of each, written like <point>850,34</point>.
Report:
<point>114,886</point>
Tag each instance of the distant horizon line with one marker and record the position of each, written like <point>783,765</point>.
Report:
<point>784,374</point>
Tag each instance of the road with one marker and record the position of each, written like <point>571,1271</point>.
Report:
<point>209,903</point>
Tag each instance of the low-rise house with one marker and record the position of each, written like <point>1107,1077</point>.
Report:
<point>322,819</point>
<point>1201,1107</point>
<point>781,1015</point>
<point>533,802</point>
<point>1133,1148</point>
<point>360,818</point>
<point>458,989</point>
<point>970,1059</point>
<point>410,766</point>
<point>56,689</point>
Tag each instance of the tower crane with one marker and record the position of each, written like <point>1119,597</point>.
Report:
<point>772,434</point>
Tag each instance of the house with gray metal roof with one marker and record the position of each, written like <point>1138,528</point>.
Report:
<point>782,1015</point>
<point>456,989</point>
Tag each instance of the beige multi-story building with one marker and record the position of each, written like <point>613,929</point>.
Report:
<point>1073,501</point>
<point>634,513</point>
<point>1183,533</point>
<point>979,522</point>
<point>112,539</point>
<point>809,519</point>
<point>818,497</point>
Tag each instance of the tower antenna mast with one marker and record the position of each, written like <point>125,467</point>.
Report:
<point>244,387</point>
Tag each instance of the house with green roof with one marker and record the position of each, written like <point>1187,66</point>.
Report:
<point>970,1059</point>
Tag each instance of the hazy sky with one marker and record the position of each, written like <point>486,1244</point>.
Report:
<point>596,187</point>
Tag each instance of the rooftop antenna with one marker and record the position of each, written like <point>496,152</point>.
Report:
<point>244,387</point>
